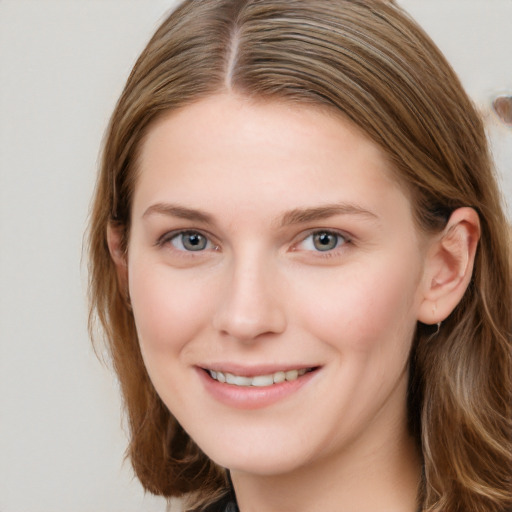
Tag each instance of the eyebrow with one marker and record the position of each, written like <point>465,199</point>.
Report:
<point>181,212</point>
<point>295,216</point>
<point>304,215</point>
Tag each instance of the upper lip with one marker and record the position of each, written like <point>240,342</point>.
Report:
<point>254,370</point>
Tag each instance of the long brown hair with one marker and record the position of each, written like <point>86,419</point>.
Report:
<point>370,62</point>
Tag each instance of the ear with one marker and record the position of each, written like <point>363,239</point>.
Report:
<point>116,246</point>
<point>449,266</point>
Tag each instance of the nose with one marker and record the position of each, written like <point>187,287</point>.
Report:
<point>251,303</point>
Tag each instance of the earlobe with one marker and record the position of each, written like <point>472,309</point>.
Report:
<point>116,246</point>
<point>449,266</point>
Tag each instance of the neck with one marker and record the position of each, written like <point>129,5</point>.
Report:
<point>384,478</point>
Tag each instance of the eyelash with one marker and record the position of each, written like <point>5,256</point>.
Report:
<point>168,238</point>
<point>341,240</point>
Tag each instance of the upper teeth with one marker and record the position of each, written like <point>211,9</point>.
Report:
<point>258,380</point>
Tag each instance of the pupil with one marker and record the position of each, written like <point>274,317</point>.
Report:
<point>194,242</point>
<point>325,241</point>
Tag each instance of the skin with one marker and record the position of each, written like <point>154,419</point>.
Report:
<point>256,181</point>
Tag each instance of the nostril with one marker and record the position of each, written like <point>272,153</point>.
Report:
<point>503,107</point>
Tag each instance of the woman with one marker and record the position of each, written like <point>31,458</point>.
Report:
<point>300,262</point>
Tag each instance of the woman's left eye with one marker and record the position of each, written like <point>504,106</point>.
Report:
<point>191,241</point>
<point>322,241</point>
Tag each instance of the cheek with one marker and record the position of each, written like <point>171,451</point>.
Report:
<point>362,308</point>
<point>169,307</point>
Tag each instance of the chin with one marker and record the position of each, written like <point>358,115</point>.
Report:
<point>260,466</point>
<point>270,459</point>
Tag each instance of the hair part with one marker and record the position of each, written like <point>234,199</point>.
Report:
<point>369,62</point>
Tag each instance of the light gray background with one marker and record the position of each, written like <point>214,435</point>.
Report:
<point>62,65</point>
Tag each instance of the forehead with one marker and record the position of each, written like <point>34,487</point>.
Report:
<point>243,151</point>
<point>229,114</point>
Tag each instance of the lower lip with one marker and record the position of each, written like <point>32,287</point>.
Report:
<point>253,397</point>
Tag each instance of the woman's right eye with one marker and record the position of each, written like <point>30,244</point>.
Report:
<point>190,241</point>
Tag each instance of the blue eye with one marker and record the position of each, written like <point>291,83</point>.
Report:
<point>190,241</point>
<point>323,241</point>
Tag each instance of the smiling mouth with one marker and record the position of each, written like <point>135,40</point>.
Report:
<point>258,380</point>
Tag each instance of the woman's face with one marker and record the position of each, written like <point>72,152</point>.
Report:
<point>270,247</point>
